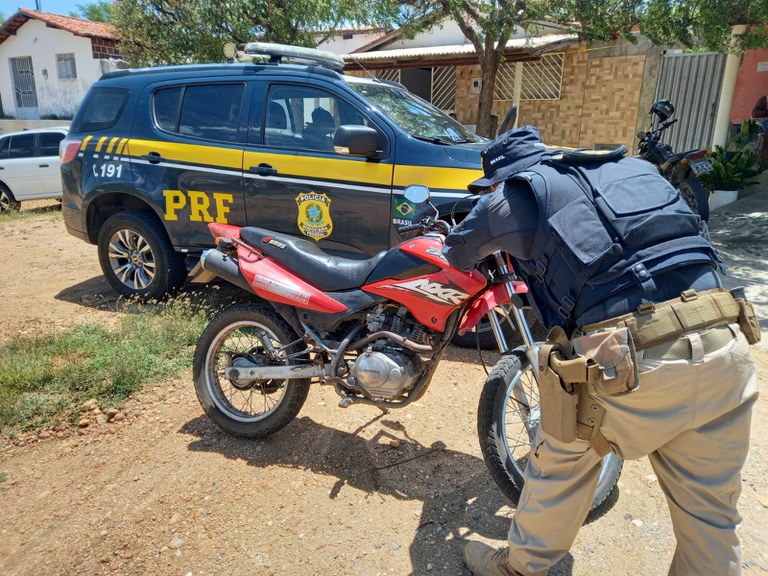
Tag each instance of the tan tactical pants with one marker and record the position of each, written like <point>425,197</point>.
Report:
<point>692,419</point>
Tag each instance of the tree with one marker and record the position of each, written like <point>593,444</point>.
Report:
<point>171,32</point>
<point>99,11</point>
<point>707,23</point>
<point>488,25</point>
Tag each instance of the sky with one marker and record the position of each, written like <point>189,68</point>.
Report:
<point>9,7</point>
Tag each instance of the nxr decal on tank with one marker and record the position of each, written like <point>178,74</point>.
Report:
<point>314,217</point>
<point>434,291</point>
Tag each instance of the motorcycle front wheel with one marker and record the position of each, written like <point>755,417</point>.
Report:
<point>507,420</point>
<point>695,196</point>
<point>235,337</point>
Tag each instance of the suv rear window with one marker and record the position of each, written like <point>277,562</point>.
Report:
<point>208,111</point>
<point>100,110</point>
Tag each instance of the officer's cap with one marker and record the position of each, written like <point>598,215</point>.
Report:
<point>508,154</point>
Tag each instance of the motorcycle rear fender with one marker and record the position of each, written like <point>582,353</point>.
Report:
<point>496,296</point>
<point>276,283</point>
<point>218,230</point>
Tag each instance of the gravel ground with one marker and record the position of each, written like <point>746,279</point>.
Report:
<point>161,491</point>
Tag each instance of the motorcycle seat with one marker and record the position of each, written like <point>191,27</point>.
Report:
<point>305,258</point>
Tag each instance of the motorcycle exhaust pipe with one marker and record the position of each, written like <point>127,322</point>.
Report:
<point>225,267</point>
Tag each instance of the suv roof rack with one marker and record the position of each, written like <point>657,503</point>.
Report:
<point>280,52</point>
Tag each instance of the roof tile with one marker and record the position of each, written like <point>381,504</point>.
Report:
<point>76,26</point>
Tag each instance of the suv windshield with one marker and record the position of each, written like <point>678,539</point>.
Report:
<point>414,115</point>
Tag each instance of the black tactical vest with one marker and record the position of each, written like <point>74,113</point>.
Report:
<point>608,223</point>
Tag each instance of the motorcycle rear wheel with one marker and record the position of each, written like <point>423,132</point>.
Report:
<point>695,196</point>
<point>259,408</point>
<point>507,420</point>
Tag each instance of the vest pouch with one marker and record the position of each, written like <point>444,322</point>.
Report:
<point>614,351</point>
<point>580,229</point>
<point>645,210</point>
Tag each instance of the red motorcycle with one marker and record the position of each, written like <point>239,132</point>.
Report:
<point>373,329</point>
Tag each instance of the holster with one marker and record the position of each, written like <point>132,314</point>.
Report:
<point>748,323</point>
<point>558,405</point>
<point>568,411</point>
<point>560,375</point>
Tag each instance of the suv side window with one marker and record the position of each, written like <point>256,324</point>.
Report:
<point>22,146</point>
<point>100,110</point>
<point>5,145</point>
<point>305,117</point>
<point>208,111</point>
<point>48,143</point>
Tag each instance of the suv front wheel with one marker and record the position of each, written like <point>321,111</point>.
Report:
<point>137,258</point>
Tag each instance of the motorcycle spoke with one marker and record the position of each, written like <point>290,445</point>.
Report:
<point>245,342</point>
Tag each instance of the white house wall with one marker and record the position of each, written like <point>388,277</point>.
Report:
<point>34,39</point>
<point>339,45</point>
<point>448,33</point>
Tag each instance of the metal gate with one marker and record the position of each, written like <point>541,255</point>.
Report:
<point>24,87</point>
<point>444,87</point>
<point>692,83</point>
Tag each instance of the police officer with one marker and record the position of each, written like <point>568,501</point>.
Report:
<point>599,240</point>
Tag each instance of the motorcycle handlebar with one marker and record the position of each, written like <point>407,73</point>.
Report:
<point>426,226</point>
<point>409,228</point>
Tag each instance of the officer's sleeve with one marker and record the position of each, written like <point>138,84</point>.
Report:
<point>464,246</point>
<point>503,220</point>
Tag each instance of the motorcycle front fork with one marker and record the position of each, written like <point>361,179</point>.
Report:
<point>513,314</point>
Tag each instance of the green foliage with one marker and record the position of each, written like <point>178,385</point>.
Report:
<point>44,380</point>
<point>734,165</point>
<point>705,23</point>
<point>99,11</point>
<point>698,24</point>
<point>157,32</point>
<point>731,170</point>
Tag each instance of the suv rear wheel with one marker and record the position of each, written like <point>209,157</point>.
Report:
<point>137,258</point>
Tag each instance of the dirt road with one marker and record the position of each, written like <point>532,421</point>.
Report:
<point>338,492</point>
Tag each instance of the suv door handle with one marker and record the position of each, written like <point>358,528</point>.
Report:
<point>263,170</point>
<point>44,166</point>
<point>152,158</point>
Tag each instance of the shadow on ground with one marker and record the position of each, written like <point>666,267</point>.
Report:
<point>459,500</point>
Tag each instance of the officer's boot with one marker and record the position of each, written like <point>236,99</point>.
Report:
<point>482,560</point>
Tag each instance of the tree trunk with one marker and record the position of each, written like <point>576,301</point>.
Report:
<point>487,123</point>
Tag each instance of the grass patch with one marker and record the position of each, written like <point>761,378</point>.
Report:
<point>29,214</point>
<point>45,379</point>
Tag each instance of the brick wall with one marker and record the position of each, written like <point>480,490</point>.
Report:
<point>103,49</point>
<point>598,104</point>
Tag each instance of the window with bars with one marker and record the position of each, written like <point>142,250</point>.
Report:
<point>391,74</point>
<point>539,80</point>
<point>66,64</point>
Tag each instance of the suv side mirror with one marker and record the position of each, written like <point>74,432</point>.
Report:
<point>356,141</point>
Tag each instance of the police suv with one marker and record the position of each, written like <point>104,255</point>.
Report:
<point>153,155</point>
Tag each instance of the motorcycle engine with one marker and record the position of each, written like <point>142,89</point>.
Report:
<point>387,370</point>
<point>385,375</point>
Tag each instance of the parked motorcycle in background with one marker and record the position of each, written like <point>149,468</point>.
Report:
<point>680,169</point>
<point>373,329</point>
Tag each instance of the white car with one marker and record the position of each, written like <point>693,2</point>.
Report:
<point>29,166</point>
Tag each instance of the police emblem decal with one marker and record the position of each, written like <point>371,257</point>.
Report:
<point>314,219</point>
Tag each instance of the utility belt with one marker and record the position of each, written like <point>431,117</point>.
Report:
<point>602,357</point>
